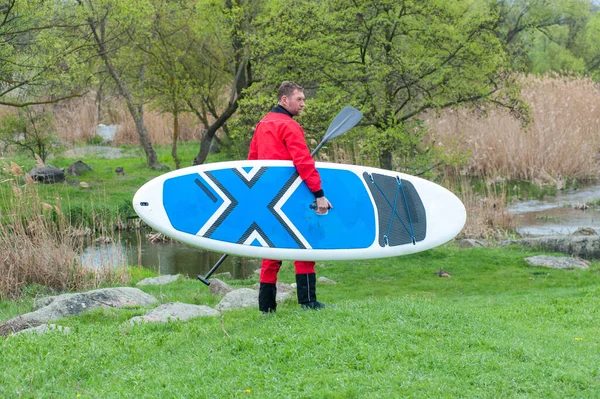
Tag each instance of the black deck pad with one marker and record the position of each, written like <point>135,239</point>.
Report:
<point>382,187</point>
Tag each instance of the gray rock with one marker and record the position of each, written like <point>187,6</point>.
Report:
<point>224,276</point>
<point>585,231</point>
<point>325,280</point>
<point>218,287</point>
<point>555,262</point>
<point>282,296</point>
<point>284,287</point>
<point>78,168</point>
<point>160,280</point>
<point>245,298</point>
<point>47,174</point>
<point>237,299</point>
<point>174,311</point>
<point>587,247</point>
<point>471,243</point>
<point>44,328</point>
<point>67,305</point>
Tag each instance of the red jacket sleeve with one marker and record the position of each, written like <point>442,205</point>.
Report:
<point>253,153</point>
<point>293,138</point>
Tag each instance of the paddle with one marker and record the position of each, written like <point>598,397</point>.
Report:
<point>344,121</point>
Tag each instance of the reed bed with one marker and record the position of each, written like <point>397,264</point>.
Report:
<point>39,245</point>
<point>562,141</point>
<point>77,121</point>
<point>487,213</point>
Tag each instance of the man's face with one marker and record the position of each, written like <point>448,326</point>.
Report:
<point>294,103</point>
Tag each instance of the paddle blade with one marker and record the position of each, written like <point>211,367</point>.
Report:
<point>344,121</point>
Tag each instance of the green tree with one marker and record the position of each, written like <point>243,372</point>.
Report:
<point>592,46</point>
<point>30,130</point>
<point>220,68</point>
<point>39,60</point>
<point>393,59</point>
<point>173,40</point>
<point>544,35</point>
<point>116,30</point>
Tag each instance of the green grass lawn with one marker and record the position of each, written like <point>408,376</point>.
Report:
<point>497,328</point>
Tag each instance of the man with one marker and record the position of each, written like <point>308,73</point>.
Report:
<point>278,136</point>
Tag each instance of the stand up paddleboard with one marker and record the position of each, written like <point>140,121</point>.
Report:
<point>263,209</point>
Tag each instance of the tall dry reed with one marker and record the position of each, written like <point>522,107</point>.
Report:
<point>37,243</point>
<point>487,213</point>
<point>562,141</point>
<point>77,120</point>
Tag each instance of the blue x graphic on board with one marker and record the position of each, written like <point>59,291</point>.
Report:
<point>250,207</point>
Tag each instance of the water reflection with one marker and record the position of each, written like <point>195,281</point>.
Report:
<point>165,257</point>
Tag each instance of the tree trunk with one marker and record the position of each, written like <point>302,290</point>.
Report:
<point>136,111</point>
<point>99,103</point>
<point>175,138</point>
<point>151,157</point>
<point>212,131</point>
<point>385,160</point>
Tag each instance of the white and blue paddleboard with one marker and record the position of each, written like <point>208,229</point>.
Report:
<point>263,209</point>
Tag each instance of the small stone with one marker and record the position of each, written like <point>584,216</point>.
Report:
<point>585,231</point>
<point>160,280</point>
<point>325,280</point>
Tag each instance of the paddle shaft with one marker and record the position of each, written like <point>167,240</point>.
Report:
<point>344,121</point>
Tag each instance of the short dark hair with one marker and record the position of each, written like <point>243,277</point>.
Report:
<point>287,88</point>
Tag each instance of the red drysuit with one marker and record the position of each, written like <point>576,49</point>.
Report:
<point>278,136</point>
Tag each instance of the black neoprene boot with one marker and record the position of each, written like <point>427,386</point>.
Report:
<point>306,285</point>
<point>267,295</point>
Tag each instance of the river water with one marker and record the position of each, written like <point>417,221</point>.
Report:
<point>164,257</point>
<point>557,214</point>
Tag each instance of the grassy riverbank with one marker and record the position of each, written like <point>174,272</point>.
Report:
<point>496,328</point>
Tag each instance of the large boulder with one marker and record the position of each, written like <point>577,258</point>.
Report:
<point>556,262</point>
<point>219,287</point>
<point>47,174</point>
<point>66,305</point>
<point>587,247</point>
<point>78,168</point>
<point>43,329</point>
<point>173,312</point>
